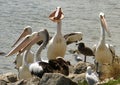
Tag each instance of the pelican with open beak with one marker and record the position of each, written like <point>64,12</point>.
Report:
<point>58,44</point>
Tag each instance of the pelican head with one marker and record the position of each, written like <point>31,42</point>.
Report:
<point>104,23</point>
<point>27,30</point>
<point>57,15</point>
<point>42,35</point>
<point>22,44</point>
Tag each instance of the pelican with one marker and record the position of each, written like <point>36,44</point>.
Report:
<point>19,57</point>
<point>86,51</point>
<point>104,53</point>
<point>39,67</point>
<point>24,72</point>
<point>53,43</point>
<point>24,69</point>
<point>57,45</point>
<point>91,76</point>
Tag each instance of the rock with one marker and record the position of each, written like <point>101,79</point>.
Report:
<point>9,77</point>
<point>55,79</point>
<point>76,74</point>
<point>3,82</point>
<point>81,67</point>
<point>34,81</point>
<point>21,82</point>
<point>77,77</point>
<point>12,78</point>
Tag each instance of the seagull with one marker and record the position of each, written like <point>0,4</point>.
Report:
<point>91,77</point>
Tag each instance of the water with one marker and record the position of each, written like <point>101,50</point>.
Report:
<point>80,15</point>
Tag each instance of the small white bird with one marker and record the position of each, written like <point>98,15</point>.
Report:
<point>91,77</point>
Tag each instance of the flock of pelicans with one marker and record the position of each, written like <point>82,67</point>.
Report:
<point>29,63</point>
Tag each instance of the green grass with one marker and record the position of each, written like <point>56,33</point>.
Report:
<point>82,82</point>
<point>113,82</point>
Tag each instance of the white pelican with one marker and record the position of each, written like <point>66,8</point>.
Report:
<point>54,42</point>
<point>39,67</point>
<point>104,53</point>
<point>86,51</point>
<point>91,76</point>
<point>57,45</point>
<point>35,36</point>
<point>24,72</point>
<point>19,57</point>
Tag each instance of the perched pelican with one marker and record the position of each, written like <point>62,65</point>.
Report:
<point>19,57</point>
<point>104,53</point>
<point>24,69</point>
<point>54,42</point>
<point>24,72</point>
<point>57,45</point>
<point>86,51</point>
<point>91,77</point>
<point>39,67</point>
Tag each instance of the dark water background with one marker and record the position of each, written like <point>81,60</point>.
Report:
<point>80,15</point>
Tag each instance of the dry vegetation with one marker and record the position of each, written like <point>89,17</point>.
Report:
<point>111,71</point>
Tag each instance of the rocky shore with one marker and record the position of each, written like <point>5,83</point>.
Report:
<point>76,75</point>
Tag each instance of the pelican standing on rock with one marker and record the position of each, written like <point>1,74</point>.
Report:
<point>104,53</point>
<point>57,45</point>
<point>24,72</point>
<point>26,68</point>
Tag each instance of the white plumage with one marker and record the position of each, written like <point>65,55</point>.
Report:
<point>91,76</point>
<point>104,53</point>
<point>58,44</point>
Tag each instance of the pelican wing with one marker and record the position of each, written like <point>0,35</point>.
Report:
<point>73,37</point>
<point>94,48</point>
<point>112,50</point>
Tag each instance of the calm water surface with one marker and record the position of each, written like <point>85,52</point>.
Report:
<point>80,15</point>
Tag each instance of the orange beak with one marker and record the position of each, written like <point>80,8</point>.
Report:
<point>27,30</point>
<point>104,23</point>
<point>21,45</point>
<point>57,15</point>
<point>37,38</point>
<point>32,42</point>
